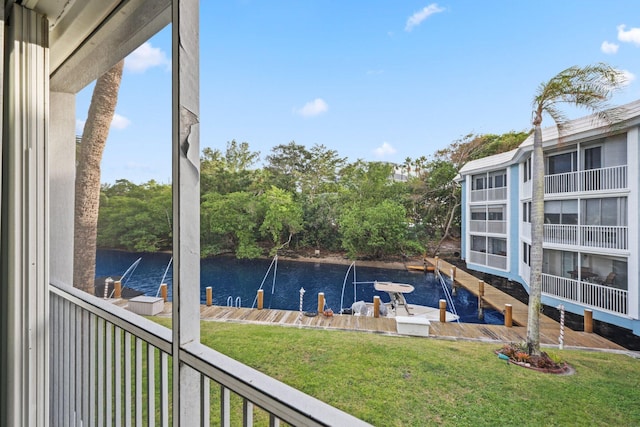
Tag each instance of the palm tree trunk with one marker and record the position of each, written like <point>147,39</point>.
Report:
<point>537,237</point>
<point>87,187</point>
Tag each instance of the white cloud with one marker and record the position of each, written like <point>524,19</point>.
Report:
<point>628,77</point>
<point>313,108</point>
<point>384,150</point>
<point>417,18</point>
<point>80,126</point>
<point>145,57</point>
<point>630,36</point>
<point>119,122</point>
<point>609,48</point>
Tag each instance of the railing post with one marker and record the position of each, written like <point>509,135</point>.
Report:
<point>260,299</point>
<point>588,321</point>
<point>508,315</point>
<point>443,310</point>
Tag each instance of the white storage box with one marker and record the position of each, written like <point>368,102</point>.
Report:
<point>411,325</point>
<point>147,306</point>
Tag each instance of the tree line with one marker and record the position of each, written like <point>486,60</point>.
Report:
<point>303,199</point>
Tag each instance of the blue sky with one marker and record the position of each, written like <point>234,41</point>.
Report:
<point>374,80</point>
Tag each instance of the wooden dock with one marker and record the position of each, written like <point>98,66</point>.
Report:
<point>549,328</point>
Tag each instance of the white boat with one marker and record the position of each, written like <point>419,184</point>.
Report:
<point>398,305</point>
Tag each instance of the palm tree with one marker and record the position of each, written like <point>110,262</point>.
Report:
<point>87,186</point>
<point>589,87</point>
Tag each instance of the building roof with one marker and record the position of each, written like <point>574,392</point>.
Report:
<point>574,130</point>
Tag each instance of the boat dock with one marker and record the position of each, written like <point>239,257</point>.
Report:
<point>549,328</point>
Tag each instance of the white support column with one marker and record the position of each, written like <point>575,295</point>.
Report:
<point>633,168</point>
<point>24,369</point>
<point>62,156</point>
<point>186,202</point>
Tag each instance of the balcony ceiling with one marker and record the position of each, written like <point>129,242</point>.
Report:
<point>87,37</point>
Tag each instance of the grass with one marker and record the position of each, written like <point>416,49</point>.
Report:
<point>403,381</point>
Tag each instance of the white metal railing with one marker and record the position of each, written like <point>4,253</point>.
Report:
<point>608,237</point>
<point>490,260</point>
<point>498,227</point>
<point>499,193</point>
<point>610,178</point>
<point>111,367</point>
<point>478,226</point>
<point>482,226</point>
<point>588,294</point>
<point>478,195</point>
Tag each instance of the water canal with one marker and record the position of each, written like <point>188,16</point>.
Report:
<point>237,281</point>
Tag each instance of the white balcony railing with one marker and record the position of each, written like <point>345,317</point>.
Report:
<point>490,260</point>
<point>594,236</point>
<point>489,194</point>
<point>495,227</point>
<point>603,179</point>
<point>478,226</point>
<point>587,294</point>
<point>111,367</point>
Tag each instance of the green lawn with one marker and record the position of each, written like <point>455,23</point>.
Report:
<point>403,381</point>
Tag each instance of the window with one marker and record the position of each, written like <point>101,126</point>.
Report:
<point>608,211</point>
<point>498,179</point>
<point>592,158</point>
<point>478,243</point>
<point>526,212</point>
<point>498,246</point>
<point>561,212</point>
<point>526,170</point>
<point>526,253</point>
<point>562,163</point>
<point>479,182</point>
<point>478,214</point>
<point>496,213</point>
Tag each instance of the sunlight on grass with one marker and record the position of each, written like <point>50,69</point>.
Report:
<point>404,381</point>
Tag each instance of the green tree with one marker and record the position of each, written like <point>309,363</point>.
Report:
<point>136,217</point>
<point>282,218</point>
<point>374,231</point>
<point>228,172</point>
<point>231,222</point>
<point>588,87</point>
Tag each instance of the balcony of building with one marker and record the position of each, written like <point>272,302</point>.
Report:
<point>594,281</point>
<point>109,366</point>
<point>593,180</point>
<point>488,251</point>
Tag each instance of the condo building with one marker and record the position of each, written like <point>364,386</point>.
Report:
<point>591,216</point>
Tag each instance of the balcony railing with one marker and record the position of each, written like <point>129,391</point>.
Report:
<point>587,294</point>
<point>481,226</point>
<point>490,260</point>
<point>603,179</point>
<point>487,194</point>
<point>594,236</point>
<point>111,367</point>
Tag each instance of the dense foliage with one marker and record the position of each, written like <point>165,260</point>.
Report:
<point>303,199</point>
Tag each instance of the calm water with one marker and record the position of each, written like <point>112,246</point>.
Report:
<point>239,280</point>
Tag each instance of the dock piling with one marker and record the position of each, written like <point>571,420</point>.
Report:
<point>163,291</point>
<point>209,296</point>
<point>260,299</point>
<point>376,306</point>
<point>443,310</point>
<point>588,321</point>
<point>117,290</point>
<point>508,315</point>
<point>320,302</point>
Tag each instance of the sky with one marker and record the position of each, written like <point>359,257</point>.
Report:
<point>377,80</point>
